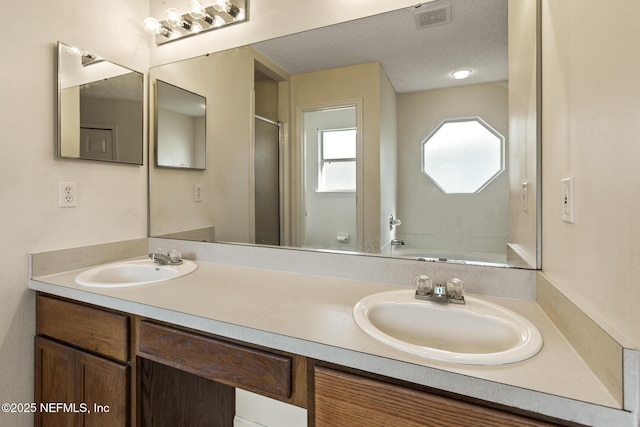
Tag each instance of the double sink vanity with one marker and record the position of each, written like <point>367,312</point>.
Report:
<point>350,351</point>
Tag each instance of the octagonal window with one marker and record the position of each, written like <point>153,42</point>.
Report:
<point>463,155</point>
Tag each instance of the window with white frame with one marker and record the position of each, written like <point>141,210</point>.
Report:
<point>463,155</point>
<point>337,158</point>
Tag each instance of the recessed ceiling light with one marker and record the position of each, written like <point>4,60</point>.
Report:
<point>461,74</point>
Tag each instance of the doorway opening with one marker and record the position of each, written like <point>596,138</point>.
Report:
<point>331,147</point>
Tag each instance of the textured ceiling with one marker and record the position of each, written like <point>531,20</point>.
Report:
<point>414,59</point>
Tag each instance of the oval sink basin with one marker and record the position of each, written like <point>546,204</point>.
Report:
<point>476,333</point>
<point>132,273</point>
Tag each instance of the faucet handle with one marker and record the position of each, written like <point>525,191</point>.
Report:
<point>175,256</point>
<point>455,288</point>
<point>424,285</point>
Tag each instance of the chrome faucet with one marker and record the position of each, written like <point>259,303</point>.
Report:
<point>164,257</point>
<point>451,292</point>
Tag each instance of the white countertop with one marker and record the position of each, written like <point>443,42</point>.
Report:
<point>312,316</point>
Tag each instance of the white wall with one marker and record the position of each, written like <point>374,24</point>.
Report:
<point>591,131</point>
<point>111,198</point>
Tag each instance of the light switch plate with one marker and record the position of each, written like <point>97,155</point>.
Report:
<point>197,193</point>
<point>568,202</point>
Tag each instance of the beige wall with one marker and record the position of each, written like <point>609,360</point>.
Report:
<point>225,75</point>
<point>591,131</point>
<point>111,198</point>
<point>329,87</point>
<point>442,222</point>
<point>523,122</point>
<point>227,180</point>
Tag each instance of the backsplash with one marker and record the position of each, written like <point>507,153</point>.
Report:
<point>51,262</point>
<point>482,280</point>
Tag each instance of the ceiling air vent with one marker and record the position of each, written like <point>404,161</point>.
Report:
<point>431,17</point>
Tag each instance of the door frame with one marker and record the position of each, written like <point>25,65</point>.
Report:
<point>299,167</point>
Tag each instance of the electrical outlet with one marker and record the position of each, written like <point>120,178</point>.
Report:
<point>67,195</point>
<point>197,193</point>
<point>568,211</point>
<point>525,197</point>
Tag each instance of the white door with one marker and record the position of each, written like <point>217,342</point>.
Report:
<point>97,143</point>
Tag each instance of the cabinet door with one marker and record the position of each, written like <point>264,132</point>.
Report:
<point>349,400</point>
<point>55,382</point>
<point>105,390</point>
<point>78,389</point>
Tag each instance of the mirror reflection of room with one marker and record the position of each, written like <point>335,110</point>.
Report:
<point>408,87</point>
<point>181,127</point>
<point>100,108</point>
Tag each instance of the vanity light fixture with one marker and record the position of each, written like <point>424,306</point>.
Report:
<point>199,18</point>
<point>86,58</point>
<point>461,74</point>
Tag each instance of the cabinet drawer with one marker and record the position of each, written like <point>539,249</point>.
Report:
<point>217,360</point>
<point>85,327</point>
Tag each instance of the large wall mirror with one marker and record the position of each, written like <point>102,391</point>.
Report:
<point>100,108</point>
<point>317,138</point>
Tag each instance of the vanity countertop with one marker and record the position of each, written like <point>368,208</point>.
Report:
<point>312,316</point>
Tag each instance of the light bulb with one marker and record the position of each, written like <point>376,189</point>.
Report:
<point>197,11</point>
<point>220,5</point>
<point>152,26</point>
<point>173,17</point>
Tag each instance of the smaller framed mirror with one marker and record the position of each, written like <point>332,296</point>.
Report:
<point>100,108</point>
<point>180,128</point>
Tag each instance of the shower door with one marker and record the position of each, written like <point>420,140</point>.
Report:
<point>267,181</point>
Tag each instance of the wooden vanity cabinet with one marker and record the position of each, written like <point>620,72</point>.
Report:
<point>82,371</point>
<point>84,355</point>
<point>189,378</point>
<point>351,400</point>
